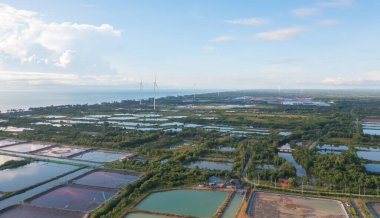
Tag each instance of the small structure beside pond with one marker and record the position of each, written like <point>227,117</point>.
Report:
<point>286,148</point>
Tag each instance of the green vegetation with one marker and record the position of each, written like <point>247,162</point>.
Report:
<point>344,171</point>
<point>251,126</point>
<point>14,164</point>
<point>158,176</point>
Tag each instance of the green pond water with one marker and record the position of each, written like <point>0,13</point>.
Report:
<point>210,165</point>
<point>142,215</point>
<point>186,202</point>
<point>233,206</point>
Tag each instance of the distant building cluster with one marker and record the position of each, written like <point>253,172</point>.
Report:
<point>216,182</point>
<point>284,101</point>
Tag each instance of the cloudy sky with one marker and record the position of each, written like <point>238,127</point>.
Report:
<point>218,44</point>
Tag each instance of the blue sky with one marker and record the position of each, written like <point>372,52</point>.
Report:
<point>215,44</point>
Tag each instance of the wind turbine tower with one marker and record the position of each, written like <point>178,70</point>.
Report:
<point>141,91</point>
<point>155,87</point>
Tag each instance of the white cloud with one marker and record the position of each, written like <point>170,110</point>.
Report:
<point>27,42</point>
<point>319,6</point>
<point>304,12</point>
<point>368,79</point>
<point>329,22</point>
<point>223,39</point>
<point>335,3</point>
<point>37,78</point>
<point>247,21</point>
<point>65,58</point>
<point>281,34</point>
<point>48,78</point>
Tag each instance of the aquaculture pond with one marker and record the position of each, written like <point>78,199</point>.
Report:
<point>329,152</point>
<point>99,116</point>
<point>371,128</point>
<point>278,205</point>
<point>26,147</point>
<point>132,124</point>
<point>289,157</point>
<point>371,131</point>
<point>15,199</point>
<point>185,202</point>
<point>122,118</point>
<point>30,211</point>
<point>106,179</point>
<point>6,158</point>
<point>284,133</point>
<point>226,149</point>
<point>367,148</point>
<point>333,147</point>
<point>154,119</point>
<point>147,115</point>
<point>369,155</point>
<point>176,117</point>
<point>31,174</point>
<point>60,151</point>
<point>72,198</point>
<point>265,167</point>
<point>164,160</point>
<point>172,124</point>
<point>233,206</point>
<point>6,142</point>
<point>375,168</point>
<point>192,125</point>
<point>101,156</point>
<point>210,165</point>
<point>219,128</point>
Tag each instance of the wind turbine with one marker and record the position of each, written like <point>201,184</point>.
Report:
<point>141,90</point>
<point>155,87</point>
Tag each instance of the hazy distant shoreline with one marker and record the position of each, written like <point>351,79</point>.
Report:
<point>24,100</point>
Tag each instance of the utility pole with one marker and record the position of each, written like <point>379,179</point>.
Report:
<point>357,123</point>
<point>345,186</point>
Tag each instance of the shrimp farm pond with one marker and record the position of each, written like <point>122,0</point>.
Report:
<point>277,205</point>
<point>199,203</point>
<point>31,174</point>
<point>72,198</point>
<point>106,179</point>
<point>40,179</point>
<point>244,154</point>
